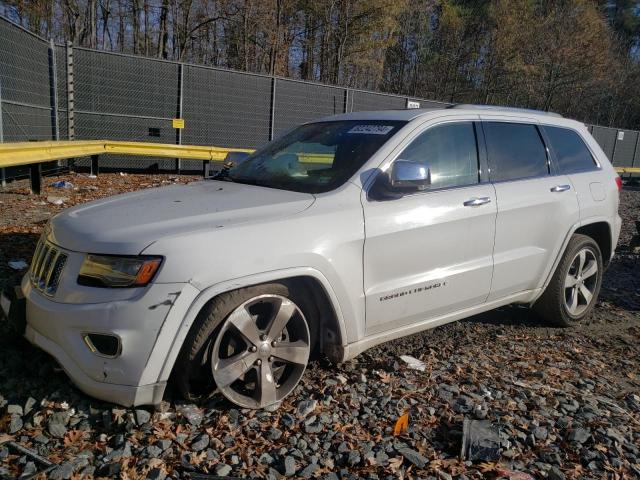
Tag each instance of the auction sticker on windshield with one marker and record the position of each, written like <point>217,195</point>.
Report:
<point>371,129</point>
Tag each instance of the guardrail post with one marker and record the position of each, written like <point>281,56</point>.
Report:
<point>95,167</point>
<point>35,176</point>
<point>206,168</point>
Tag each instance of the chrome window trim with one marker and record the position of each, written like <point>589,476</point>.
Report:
<point>594,157</point>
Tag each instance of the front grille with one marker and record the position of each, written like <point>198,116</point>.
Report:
<point>47,266</point>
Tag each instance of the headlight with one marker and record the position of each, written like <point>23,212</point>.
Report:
<point>112,271</point>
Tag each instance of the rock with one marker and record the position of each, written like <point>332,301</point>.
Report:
<point>266,459</point>
<point>142,416</point>
<point>289,466</point>
<point>309,470</point>
<point>192,414</point>
<point>579,435</point>
<point>444,475</point>
<point>28,470</point>
<point>62,472</point>
<point>274,433</point>
<point>56,430</point>
<point>15,424</point>
<point>305,407</point>
<point>413,457</point>
<point>153,451</point>
<point>223,470</point>
<point>14,409</point>
<point>29,404</point>
<point>57,200</point>
<point>354,458</point>
<point>156,474</point>
<point>555,474</point>
<point>200,442</point>
<point>540,433</point>
<point>163,444</point>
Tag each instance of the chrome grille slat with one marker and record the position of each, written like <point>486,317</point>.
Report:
<point>43,261</point>
<point>35,264</point>
<point>47,267</point>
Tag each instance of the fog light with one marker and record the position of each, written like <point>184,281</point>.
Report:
<point>102,344</point>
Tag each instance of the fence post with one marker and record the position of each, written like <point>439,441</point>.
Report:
<point>71,124</point>
<point>53,75</point>
<point>346,101</point>
<point>272,108</point>
<point>3,172</point>
<point>179,111</point>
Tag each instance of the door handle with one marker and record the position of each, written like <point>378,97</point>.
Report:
<point>476,201</point>
<point>560,188</point>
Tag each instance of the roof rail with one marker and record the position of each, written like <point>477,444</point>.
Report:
<point>469,106</point>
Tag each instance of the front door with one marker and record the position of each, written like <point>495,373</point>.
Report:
<point>430,253</point>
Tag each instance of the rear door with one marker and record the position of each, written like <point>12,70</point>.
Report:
<point>536,205</point>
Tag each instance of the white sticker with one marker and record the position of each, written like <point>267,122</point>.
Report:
<point>620,135</point>
<point>413,104</point>
<point>371,129</point>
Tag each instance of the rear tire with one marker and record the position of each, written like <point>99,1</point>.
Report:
<point>573,290</point>
<point>234,336</point>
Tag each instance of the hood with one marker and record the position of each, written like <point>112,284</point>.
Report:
<point>126,224</point>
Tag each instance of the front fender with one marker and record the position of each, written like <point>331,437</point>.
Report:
<point>175,329</point>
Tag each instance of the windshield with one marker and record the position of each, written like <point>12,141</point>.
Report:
<point>316,157</point>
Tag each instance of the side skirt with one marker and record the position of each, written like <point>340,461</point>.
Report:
<point>354,349</point>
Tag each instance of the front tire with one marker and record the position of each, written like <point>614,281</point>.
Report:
<point>573,290</point>
<point>252,344</point>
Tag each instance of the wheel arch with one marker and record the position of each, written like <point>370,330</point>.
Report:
<point>600,231</point>
<point>331,340</point>
<point>600,225</point>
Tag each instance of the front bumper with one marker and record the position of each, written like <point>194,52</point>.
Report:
<point>129,379</point>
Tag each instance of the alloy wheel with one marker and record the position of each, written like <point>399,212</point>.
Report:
<point>261,351</point>
<point>581,282</point>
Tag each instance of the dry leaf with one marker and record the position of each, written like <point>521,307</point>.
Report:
<point>72,436</point>
<point>402,424</point>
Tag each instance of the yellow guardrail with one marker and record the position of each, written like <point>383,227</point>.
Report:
<point>25,153</point>
<point>627,169</point>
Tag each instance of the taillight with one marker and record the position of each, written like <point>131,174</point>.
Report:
<point>619,182</point>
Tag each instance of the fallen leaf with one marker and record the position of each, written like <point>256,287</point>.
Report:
<point>402,424</point>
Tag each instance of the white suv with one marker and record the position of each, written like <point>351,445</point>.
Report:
<point>342,234</point>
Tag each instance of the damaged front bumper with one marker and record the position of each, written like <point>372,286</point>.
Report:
<point>125,377</point>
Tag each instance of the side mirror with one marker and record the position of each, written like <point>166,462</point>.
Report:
<point>236,158</point>
<point>407,175</point>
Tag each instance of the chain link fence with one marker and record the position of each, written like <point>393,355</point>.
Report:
<point>50,92</point>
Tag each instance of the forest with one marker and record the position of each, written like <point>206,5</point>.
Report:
<point>580,58</point>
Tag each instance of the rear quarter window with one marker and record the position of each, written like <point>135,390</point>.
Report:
<point>572,154</point>
<point>515,151</point>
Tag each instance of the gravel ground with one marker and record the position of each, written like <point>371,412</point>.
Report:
<point>566,402</point>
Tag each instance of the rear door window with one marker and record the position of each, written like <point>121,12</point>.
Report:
<point>515,151</point>
<point>571,153</point>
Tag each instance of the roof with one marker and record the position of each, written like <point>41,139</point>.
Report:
<point>412,113</point>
